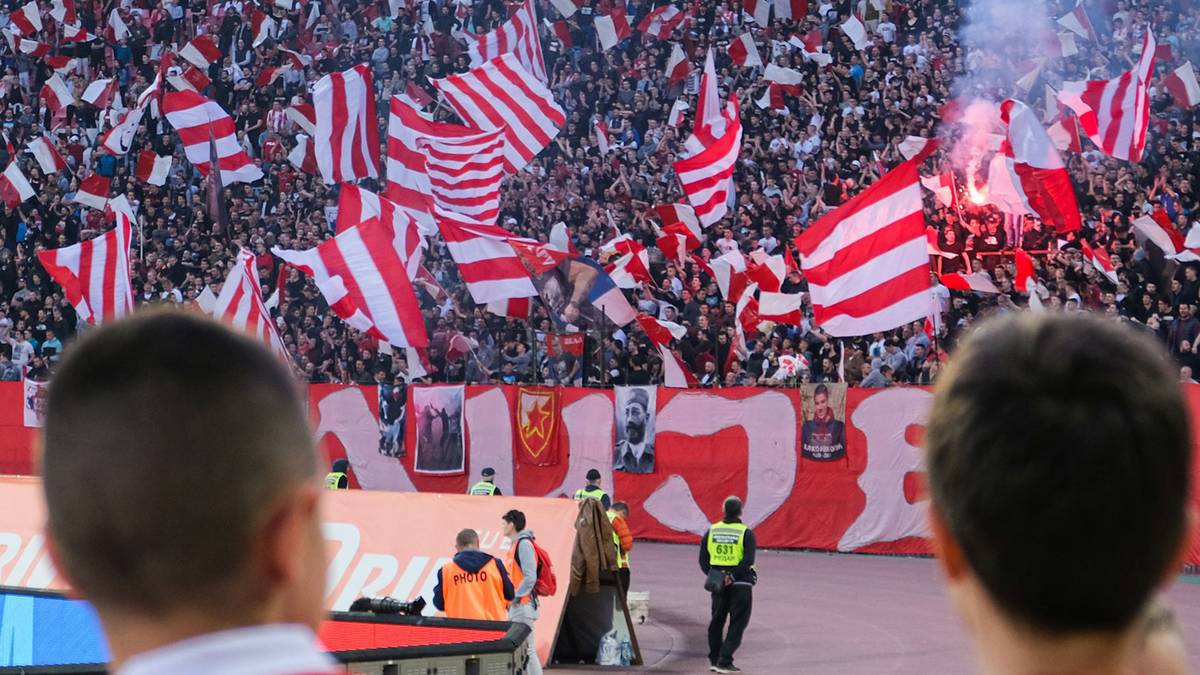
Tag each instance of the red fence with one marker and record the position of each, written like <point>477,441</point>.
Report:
<point>706,445</point>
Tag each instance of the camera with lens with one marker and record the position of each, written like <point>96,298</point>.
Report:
<point>388,606</point>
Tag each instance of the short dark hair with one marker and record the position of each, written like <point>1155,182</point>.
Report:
<point>732,507</point>
<point>621,506</point>
<point>516,518</point>
<point>1050,434</point>
<point>167,437</point>
<point>467,538</point>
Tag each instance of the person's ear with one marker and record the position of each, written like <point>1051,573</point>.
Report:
<point>949,554</point>
<point>282,538</point>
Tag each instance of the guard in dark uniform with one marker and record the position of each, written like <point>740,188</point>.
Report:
<point>728,548</point>
<point>486,485</point>
<point>593,490</point>
<point>338,478</point>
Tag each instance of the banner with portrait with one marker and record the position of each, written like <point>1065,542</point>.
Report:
<point>823,432</point>
<point>438,413</point>
<point>563,358</point>
<point>392,401</point>
<point>634,450</point>
<point>537,412</point>
<point>34,402</point>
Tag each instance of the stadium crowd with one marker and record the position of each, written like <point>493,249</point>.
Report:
<point>836,136</point>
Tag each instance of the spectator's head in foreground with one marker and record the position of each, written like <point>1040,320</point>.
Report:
<point>181,483</point>
<point>1058,451</point>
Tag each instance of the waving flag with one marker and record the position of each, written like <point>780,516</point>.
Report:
<point>1038,176</point>
<point>347,131</point>
<point>27,19</point>
<point>1115,113</point>
<point>978,283</point>
<point>486,260</point>
<point>153,169</point>
<point>662,21</point>
<point>47,156</point>
<point>517,36</point>
<point>678,66</point>
<point>866,262</point>
<point>240,304</point>
<point>612,28</point>
<point>94,274</point>
<point>357,205</point>
<point>14,186</point>
<point>501,94</point>
<point>706,177</point>
<point>744,52</point>
<point>200,122</point>
<point>363,279</point>
<point>1099,259</point>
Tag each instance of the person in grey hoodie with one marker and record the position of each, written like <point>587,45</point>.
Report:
<point>522,569</point>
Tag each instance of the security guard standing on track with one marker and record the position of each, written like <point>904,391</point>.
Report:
<point>593,490</point>
<point>473,585</point>
<point>337,478</point>
<point>486,485</point>
<point>618,516</point>
<point>727,557</point>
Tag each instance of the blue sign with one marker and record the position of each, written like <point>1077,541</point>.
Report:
<point>47,630</point>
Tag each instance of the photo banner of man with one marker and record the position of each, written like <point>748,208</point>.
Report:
<point>823,434</point>
<point>562,359</point>
<point>34,402</point>
<point>635,406</point>
<point>537,413</point>
<point>392,399</point>
<point>438,413</point>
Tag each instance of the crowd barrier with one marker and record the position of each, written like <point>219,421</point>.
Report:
<point>707,444</point>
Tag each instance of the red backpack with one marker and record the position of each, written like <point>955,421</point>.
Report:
<point>546,585</point>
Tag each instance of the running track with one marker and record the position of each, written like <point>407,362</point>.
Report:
<point>822,614</point>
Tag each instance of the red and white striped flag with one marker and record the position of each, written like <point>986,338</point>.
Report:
<point>978,282</point>
<point>567,8</point>
<point>72,34</point>
<point>678,66</point>
<point>1064,134</point>
<point>362,278</point>
<point>866,262</point>
<point>562,31</point>
<point>1037,174</point>
<point>201,52</point>
<point>744,52</point>
<point>670,214</point>
<point>14,186</point>
<point>678,113</point>
<point>1160,231</point>
<point>191,80</point>
<point>100,92</point>
<point>632,267</point>
<point>612,28</point>
<point>767,271</point>
<point>501,94</point>
<point>94,274</point>
<point>1183,86</point>
<point>1099,259</point>
<point>660,332</point>
<point>357,205</point>
<point>47,156</point>
<point>304,116</point>
<point>117,29</point>
<point>465,173</point>
<point>153,169</point>
<point>791,10</point>
<point>198,121</point>
<point>517,36</point>
<point>1115,113</point>
<point>262,26</point>
<point>707,175</point>
<point>759,10</point>
<point>675,242</point>
<point>63,11</point>
<point>515,308</point>
<point>27,19</point>
<point>1077,22</point>
<point>302,156</point>
<point>241,305</point>
<point>942,187</point>
<point>709,124</point>
<point>486,260</point>
<point>601,130</point>
<point>785,308</point>
<point>93,191</point>
<point>729,271</point>
<point>61,64</point>
<point>347,134</point>
<point>407,179</point>
<point>57,94</point>
<point>32,48</point>
<point>676,374</point>
<point>662,21</point>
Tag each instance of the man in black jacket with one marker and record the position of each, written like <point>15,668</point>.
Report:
<point>728,547</point>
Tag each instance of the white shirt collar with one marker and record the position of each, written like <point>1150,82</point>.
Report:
<point>277,649</point>
<point>636,448</point>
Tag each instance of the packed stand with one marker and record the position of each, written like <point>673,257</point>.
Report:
<point>838,133</point>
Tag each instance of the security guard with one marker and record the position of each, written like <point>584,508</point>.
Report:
<point>486,485</point>
<point>337,478</point>
<point>473,585</point>
<point>618,516</point>
<point>593,491</point>
<point>728,547</point>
